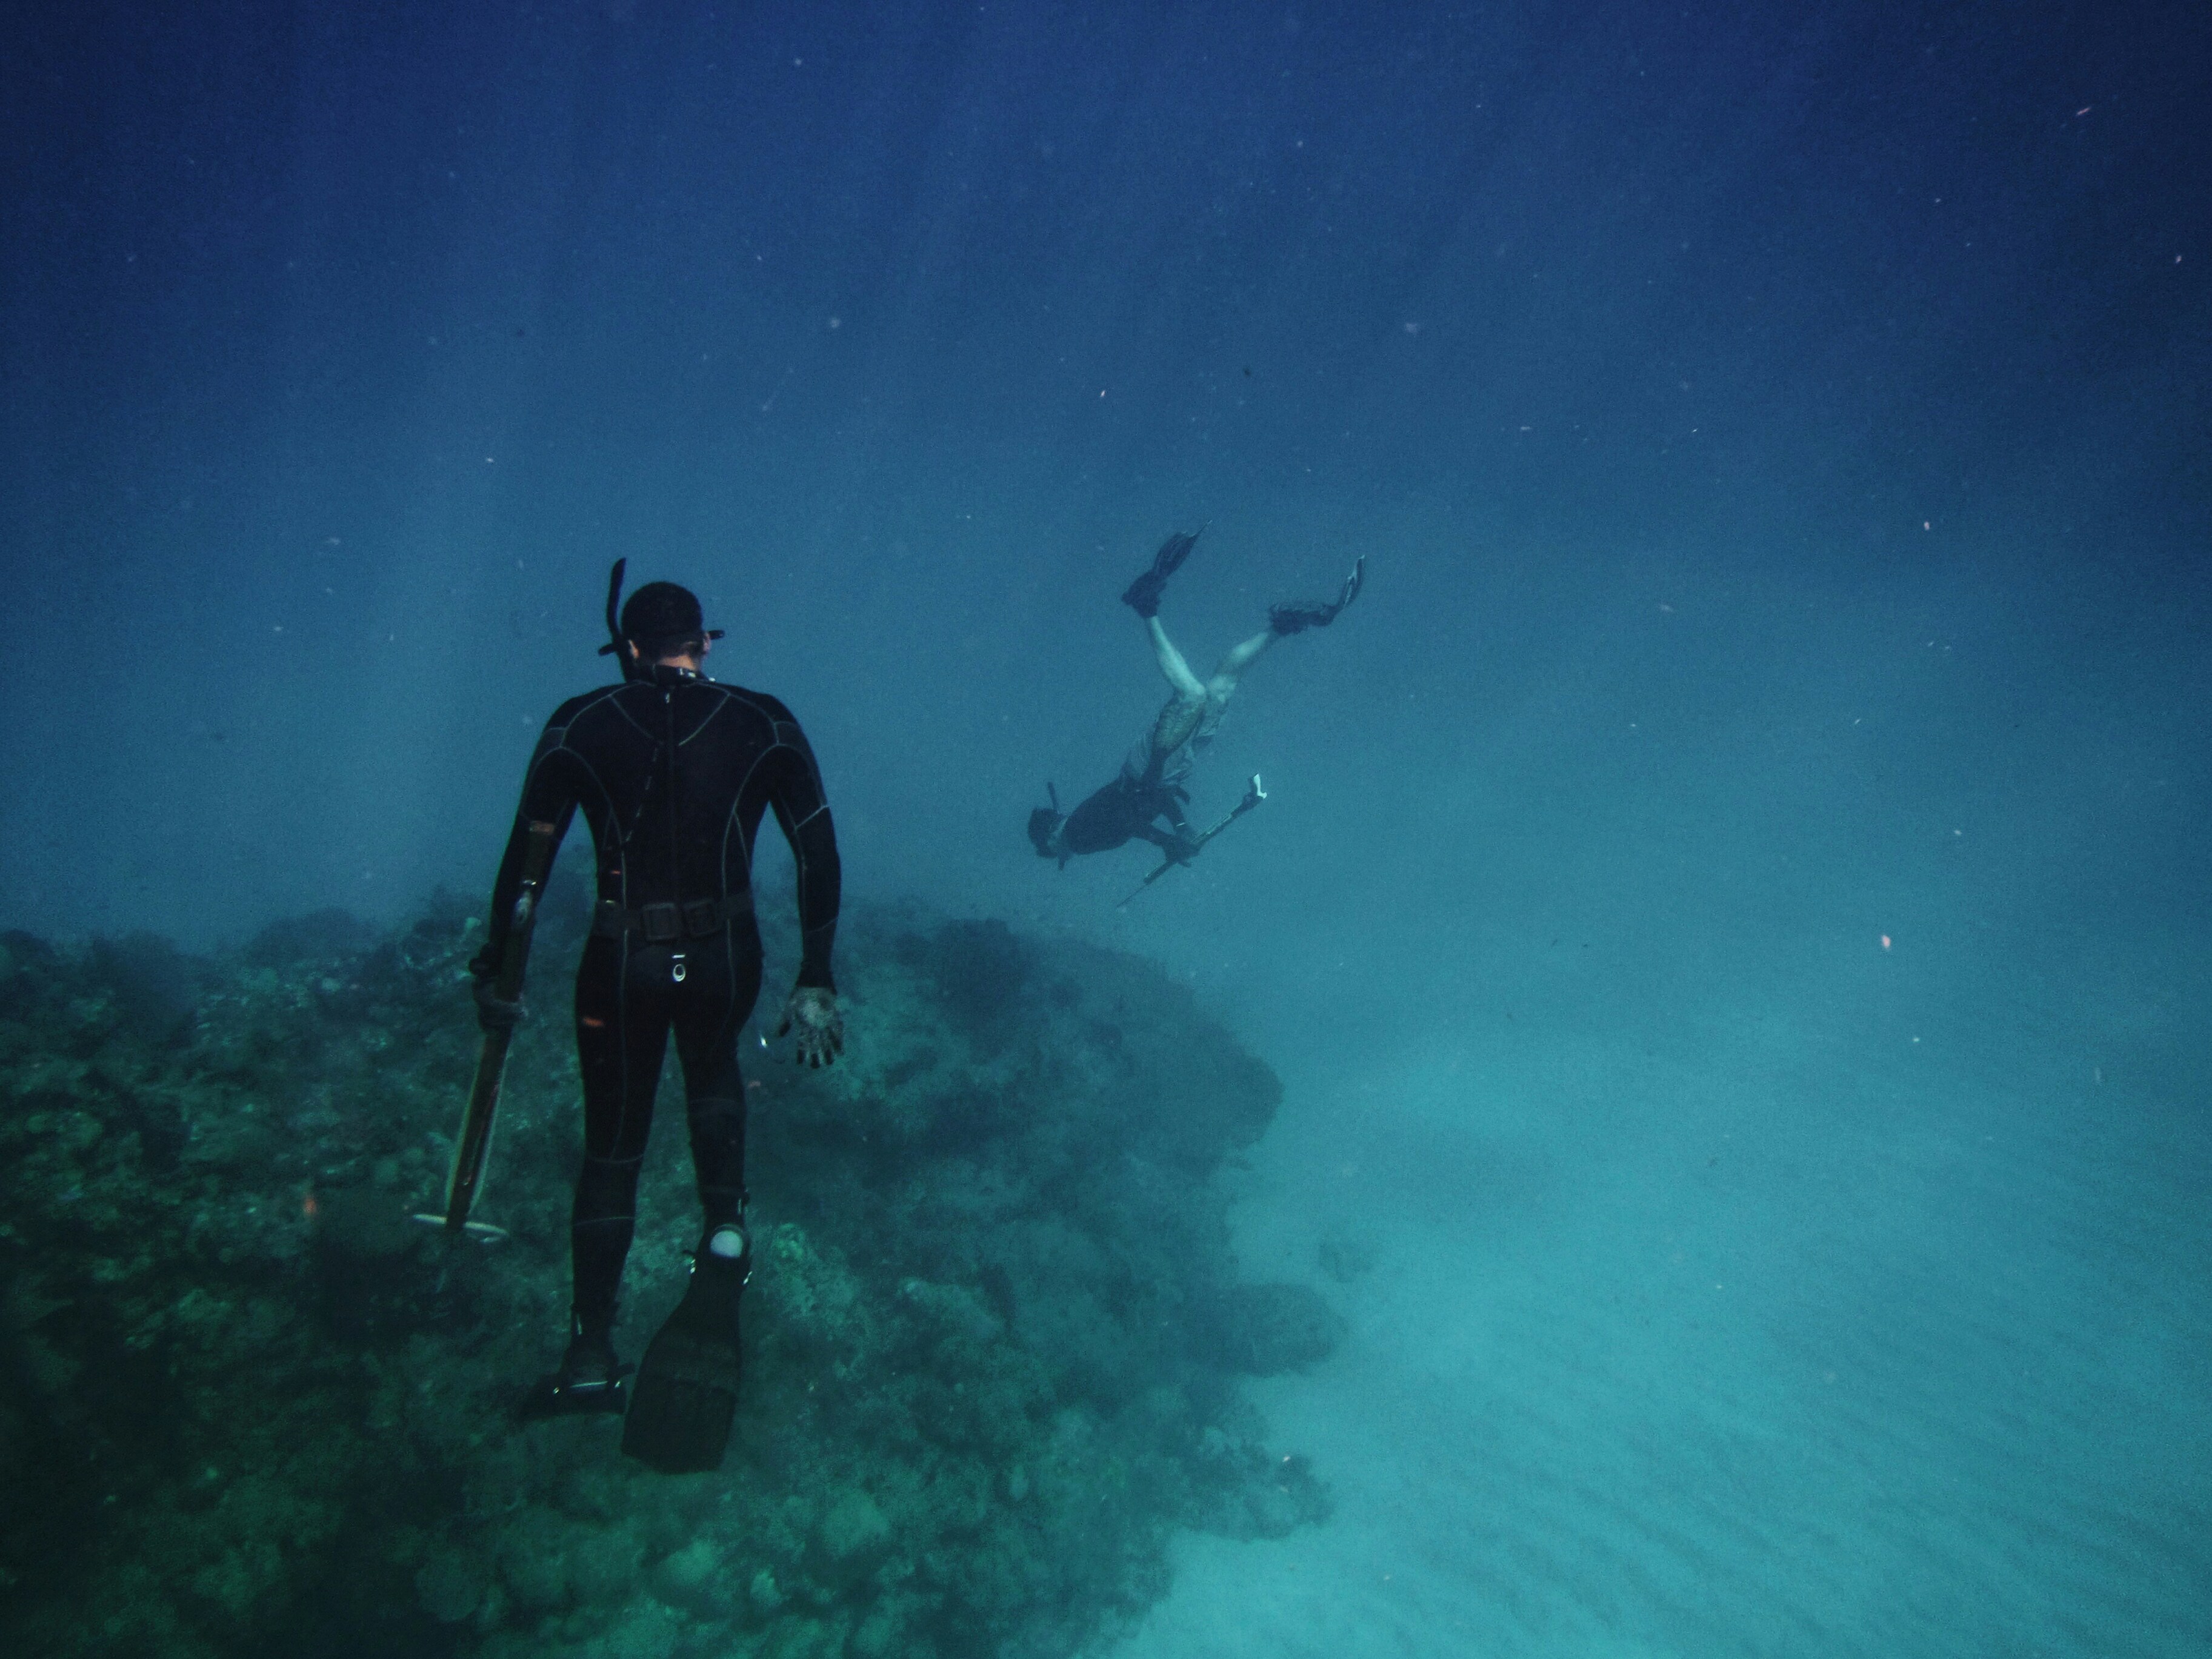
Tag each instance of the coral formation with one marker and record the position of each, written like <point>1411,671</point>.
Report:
<point>993,1337</point>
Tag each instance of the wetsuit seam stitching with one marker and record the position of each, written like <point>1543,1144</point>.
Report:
<point>736,811</point>
<point>712,716</point>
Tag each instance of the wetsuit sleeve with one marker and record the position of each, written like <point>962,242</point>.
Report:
<point>549,796</point>
<point>802,810</point>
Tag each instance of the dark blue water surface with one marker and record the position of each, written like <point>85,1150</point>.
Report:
<point>1729,910</point>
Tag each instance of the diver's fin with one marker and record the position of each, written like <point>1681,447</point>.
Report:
<point>550,1396</point>
<point>1300,615</point>
<point>590,1382</point>
<point>1143,596</point>
<point>684,1395</point>
<point>1353,584</point>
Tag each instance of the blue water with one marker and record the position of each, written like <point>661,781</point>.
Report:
<point>1728,913</point>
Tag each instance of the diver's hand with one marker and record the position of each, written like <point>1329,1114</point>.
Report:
<point>494,1012</point>
<point>812,1012</point>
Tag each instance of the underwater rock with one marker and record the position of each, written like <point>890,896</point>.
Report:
<point>533,1564</point>
<point>851,1539</point>
<point>764,1595</point>
<point>316,936</point>
<point>449,1588</point>
<point>155,986</point>
<point>693,1578</point>
<point>1263,1329</point>
<point>992,1340</point>
<point>979,969</point>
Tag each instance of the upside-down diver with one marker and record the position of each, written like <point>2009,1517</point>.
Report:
<point>1145,801</point>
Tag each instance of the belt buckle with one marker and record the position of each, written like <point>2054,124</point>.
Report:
<point>701,917</point>
<point>660,922</point>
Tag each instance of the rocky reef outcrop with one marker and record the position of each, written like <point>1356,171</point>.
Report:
<point>994,1338</point>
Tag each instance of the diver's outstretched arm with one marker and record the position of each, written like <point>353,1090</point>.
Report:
<point>1178,844</point>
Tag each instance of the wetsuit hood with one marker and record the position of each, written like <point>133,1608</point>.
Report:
<point>657,614</point>
<point>663,610</point>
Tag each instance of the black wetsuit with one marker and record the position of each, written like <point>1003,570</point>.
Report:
<point>673,776</point>
<point>1121,811</point>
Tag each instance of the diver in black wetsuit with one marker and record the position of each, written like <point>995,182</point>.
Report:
<point>673,773</point>
<point>1150,788</point>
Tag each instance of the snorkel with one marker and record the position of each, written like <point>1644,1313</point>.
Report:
<point>631,668</point>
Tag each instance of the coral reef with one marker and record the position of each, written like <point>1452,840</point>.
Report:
<point>993,1338</point>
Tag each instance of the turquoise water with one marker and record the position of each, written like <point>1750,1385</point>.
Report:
<point>1813,1339</point>
<point>1783,1238</point>
<point>1728,914</point>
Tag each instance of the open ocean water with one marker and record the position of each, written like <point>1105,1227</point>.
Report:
<point>1774,1219</point>
<point>1729,912</point>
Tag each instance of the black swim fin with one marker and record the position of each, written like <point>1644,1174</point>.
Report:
<point>1143,596</point>
<point>590,1382</point>
<point>684,1395</point>
<point>1300,615</point>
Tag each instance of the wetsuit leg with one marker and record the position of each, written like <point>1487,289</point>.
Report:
<point>712,1006</point>
<point>622,1009</point>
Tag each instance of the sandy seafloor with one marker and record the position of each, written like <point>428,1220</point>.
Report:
<point>1795,1336</point>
